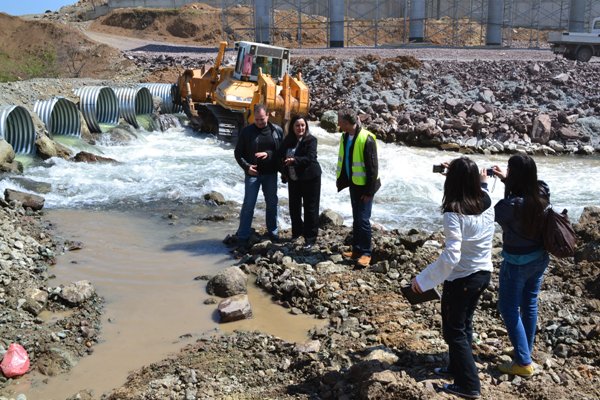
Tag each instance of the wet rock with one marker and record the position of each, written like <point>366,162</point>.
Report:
<point>35,300</point>
<point>215,198</point>
<point>77,292</point>
<point>235,308</point>
<point>229,282</point>
<point>26,199</point>
<point>84,156</point>
<point>47,148</point>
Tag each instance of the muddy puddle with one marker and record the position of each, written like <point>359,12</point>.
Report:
<point>144,268</point>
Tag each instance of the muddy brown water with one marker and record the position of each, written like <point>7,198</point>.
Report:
<point>145,268</point>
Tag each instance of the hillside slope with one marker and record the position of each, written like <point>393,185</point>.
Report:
<point>34,48</point>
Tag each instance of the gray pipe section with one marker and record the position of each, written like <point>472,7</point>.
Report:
<point>336,23</point>
<point>133,102</point>
<point>417,21</point>
<point>60,116</point>
<point>16,127</point>
<point>493,35</point>
<point>262,21</point>
<point>577,16</point>
<point>99,105</point>
<point>165,92</point>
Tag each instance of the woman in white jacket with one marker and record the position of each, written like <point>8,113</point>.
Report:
<point>464,267</point>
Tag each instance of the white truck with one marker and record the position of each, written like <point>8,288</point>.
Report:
<point>579,46</point>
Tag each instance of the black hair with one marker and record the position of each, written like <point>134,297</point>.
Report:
<point>348,115</point>
<point>290,137</point>
<point>462,189</point>
<point>522,181</point>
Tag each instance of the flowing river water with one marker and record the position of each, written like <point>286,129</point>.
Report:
<point>145,268</point>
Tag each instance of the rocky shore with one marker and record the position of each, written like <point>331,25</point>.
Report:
<point>375,345</point>
<point>502,106</point>
<point>28,248</point>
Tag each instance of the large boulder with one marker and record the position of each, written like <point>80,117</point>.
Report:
<point>587,226</point>
<point>227,283</point>
<point>84,156</point>
<point>330,218</point>
<point>26,199</point>
<point>329,121</point>
<point>47,148</point>
<point>7,153</point>
<point>542,128</point>
<point>235,308</point>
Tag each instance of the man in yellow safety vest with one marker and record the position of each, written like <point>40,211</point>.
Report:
<point>357,168</point>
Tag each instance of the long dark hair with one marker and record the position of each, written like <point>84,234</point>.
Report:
<point>290,137</point>
<point>522,181</point>
<point>462,189</point>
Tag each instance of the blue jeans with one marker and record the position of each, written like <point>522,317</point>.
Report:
<point>361,224</point>
<point>459,300</point>
<point>517,302</point>
<point>252,185</point>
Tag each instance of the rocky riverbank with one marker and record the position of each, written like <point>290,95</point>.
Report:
<point>376,345</point>
<point>56,324</point>
<point>482,106</point>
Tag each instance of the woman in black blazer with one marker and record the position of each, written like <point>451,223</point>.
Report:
<point>303,173</point>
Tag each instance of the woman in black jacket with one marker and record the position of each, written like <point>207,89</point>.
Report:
<point>303,173</point>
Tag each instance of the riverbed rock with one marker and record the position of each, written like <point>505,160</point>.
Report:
<point>215,198</point>
<point>330,217</point>
<point>235,308</point>
<point>229,282</point>
<point>47,148</point>
<point>7,154</point>
<point>84,156</point>
<point>77,292</point>
<point>32,201</point>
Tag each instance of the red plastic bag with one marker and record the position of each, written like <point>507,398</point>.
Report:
<point>15,361</point>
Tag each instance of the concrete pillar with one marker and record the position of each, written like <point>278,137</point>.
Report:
<point>417,21</point>
<point>493,36</point>
<point>577,16</point>
<point>262,21</point>
<point>336,23</point>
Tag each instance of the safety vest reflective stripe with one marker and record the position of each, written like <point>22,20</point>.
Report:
<point>359,171</point>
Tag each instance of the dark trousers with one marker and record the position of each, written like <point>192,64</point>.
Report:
<point>361,221</point>
<point>307,195</point>
<point>459,300</point>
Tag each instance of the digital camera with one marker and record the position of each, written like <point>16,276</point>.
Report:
<point>489,172</point>
<point>438,168</point>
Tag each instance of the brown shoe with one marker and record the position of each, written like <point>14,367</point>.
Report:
<point>363,261</point>
<point>351,254</point>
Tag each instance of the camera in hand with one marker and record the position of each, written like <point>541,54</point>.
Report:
<point>438,168</point>
<point>489,172</point>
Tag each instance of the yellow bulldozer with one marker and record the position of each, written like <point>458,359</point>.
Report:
<point>220,99</point>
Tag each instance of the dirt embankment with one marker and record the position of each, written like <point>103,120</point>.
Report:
<point>32,48</point>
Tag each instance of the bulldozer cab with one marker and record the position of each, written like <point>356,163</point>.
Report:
<point>273,61</point>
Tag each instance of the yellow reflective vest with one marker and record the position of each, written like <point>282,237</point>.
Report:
<point>359,170</point>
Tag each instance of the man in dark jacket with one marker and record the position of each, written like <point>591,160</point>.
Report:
<point>256,152</point>
<point>357,169</point>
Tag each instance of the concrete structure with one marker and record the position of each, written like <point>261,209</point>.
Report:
<point>355,22</point>
<point>336,23</point>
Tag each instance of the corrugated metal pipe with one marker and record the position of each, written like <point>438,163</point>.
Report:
<point>16,127</point>
<point>166,92</point>
<point>134,102</point>
<point>99,105</point>
<point>60,116</point>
